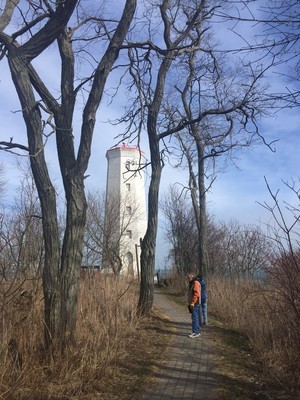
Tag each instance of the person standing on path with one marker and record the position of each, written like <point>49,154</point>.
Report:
<point>203,303</point>
<point>194,295</point>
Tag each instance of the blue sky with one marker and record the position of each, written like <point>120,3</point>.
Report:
<point>234,195</point>
<point>238,190</point>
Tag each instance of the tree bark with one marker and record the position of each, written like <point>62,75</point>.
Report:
<point>149,242</point>
<point>47,196</point>
<point>202,224</point>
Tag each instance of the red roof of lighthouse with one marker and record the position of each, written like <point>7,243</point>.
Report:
<point>125,147</point>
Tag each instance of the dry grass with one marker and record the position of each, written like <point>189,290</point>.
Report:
<point>116,352</point>
<point>261,317</point>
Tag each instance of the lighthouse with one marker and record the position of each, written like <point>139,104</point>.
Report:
<point>125,209</point>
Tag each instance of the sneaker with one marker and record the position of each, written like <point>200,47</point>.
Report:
<point>194,335</point>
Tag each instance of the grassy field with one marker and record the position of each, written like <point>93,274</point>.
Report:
<point>117,354</point>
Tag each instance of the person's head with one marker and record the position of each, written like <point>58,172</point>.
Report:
<point>190,277</point>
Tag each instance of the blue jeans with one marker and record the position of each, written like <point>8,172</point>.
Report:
<point>195,319</point>
<point>203,313</point>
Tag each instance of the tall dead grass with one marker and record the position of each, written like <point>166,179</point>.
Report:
<point>265,316</point>
<point>107,325</point>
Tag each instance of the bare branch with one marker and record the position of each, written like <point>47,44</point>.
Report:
<point>7,13</point>
<point>10,145</point>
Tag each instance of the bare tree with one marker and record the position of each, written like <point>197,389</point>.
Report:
<point>276,28</point>
<point>223,105</point>
<point>108,221</point>
<point>21,233</point>
<point>245,251</point>
<point>282,273</point>
<point>180,231</point>
<point>21,252</point>
<point>39,26</point>
<point>236,251</point>
<point>170,25</point>
<point>156,75</point>
<point>94,230</point>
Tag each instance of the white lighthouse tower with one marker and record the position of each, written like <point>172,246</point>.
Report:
<point>125,212</point>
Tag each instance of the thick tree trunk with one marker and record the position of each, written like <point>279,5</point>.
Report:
<point>47,196</point>
<point>148,245</point>
<point>71,261</point>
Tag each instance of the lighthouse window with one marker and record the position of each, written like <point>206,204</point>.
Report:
<point>128,188</point>
<point>128,210</point>
<point>129,234</point>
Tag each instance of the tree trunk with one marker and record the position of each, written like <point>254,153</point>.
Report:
<point>47,196</point>
<point>148,244</point>
<point>148,247</point>
<point>71,261</point>
<point>202,224</point>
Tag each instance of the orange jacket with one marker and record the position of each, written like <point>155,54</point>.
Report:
<point>194,292</point>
